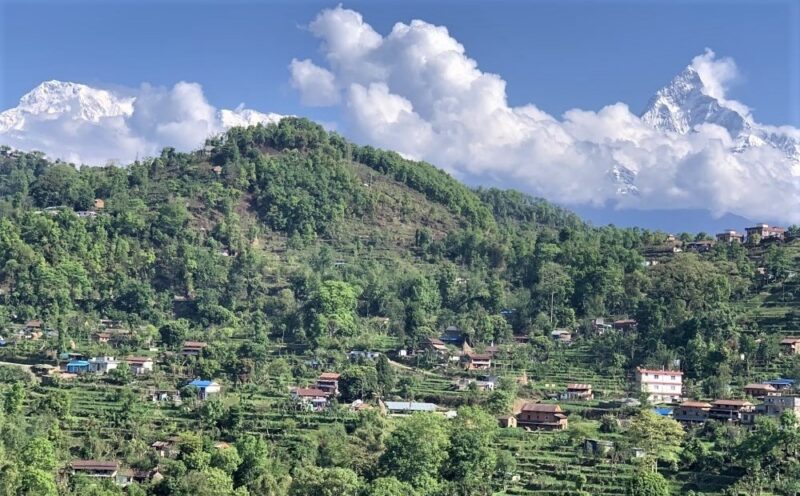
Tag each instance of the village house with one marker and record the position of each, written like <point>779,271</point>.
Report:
<point>400,408</point>
<point>488,383</point>
<point>542,416</point>
<point>166,449</point>
<point>701,246</point>
<point>103,364</point>
<point>781,384</point>
<point>101,469</point>
<point>437,346</point>
<point>99,204</point>
<point>313,399</point>
<point>790,346</point>
<point>661,386</point>
<point>477,361</point>
<point>692,412</point>
<point>600,326</point>
<point>192,348</point>
<point>578,392</point>
<point>33,326</point>
<point>205,388</point>
<point>625,325</point>
<point>453,335</point>
<point>102,337</point>
<point>363,355</point>
<point>760,390</point>
<point>730,236</point>
<point>140,365</point>
<point>765,231</point>
<point>78,367</point>
<point>774,406</point>
<point>507,421</point>
<point>741,411</point>
<point>328,382</point>
<point>43,370</point>
<point>562,336</point>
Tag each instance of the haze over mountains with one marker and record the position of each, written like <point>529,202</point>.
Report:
<point>416,91</point>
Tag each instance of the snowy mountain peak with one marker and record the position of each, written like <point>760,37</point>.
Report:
<point>685,103</point>
<point>83,124</point>
<point>78,100</point>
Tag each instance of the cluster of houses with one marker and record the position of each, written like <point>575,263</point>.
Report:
<point>666,387</point>
<point>99,204</point>
<point>452,346</point>
<point>317,397</point>
<point>104,364</point>
<point>752,235</point>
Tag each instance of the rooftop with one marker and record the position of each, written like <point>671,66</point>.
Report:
<point>655,371</point>
<point>309,392</point>
<point>201,383</point>
<point>541,407</point>
<point>94,465</point>
<point>410,406</point>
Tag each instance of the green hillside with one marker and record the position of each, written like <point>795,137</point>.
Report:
<point>284,247</point>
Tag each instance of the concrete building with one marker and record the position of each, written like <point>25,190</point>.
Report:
<point>661,386</point>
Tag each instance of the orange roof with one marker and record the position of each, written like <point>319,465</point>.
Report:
<point>695,404</point>
<point>790,340</point>
<point>329,376</point>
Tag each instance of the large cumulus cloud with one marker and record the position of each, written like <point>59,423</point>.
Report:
<point>416,91</point>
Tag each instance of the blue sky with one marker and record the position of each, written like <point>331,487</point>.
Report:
<point>549,57</point>
<point>559,55</point>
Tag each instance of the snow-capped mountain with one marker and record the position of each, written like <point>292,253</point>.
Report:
<point>55,98</point>
<point>83,124</point>
<point>685,103</point>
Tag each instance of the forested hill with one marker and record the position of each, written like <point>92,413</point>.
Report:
<point>296,258</point>
<point>289,232</point>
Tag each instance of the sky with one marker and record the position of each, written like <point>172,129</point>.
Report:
<point>548,58</point>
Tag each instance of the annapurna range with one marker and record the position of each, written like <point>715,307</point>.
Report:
<point>680,107</point>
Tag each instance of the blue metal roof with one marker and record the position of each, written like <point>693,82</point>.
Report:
<point>780,382</point>
<point>663,411</point>
<point>201,383</point>
<point>78,363</point>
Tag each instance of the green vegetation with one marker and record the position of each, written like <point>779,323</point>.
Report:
<point>284,247</point>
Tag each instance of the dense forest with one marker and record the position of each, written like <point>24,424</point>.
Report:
<point>284,247</point>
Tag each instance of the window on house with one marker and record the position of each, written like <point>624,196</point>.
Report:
<point>655,377</point>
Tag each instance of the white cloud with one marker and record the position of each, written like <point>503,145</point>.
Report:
<point>718,74</point>
<point>416,91</point>
<point>86,125</point>
<point>317,86</point>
